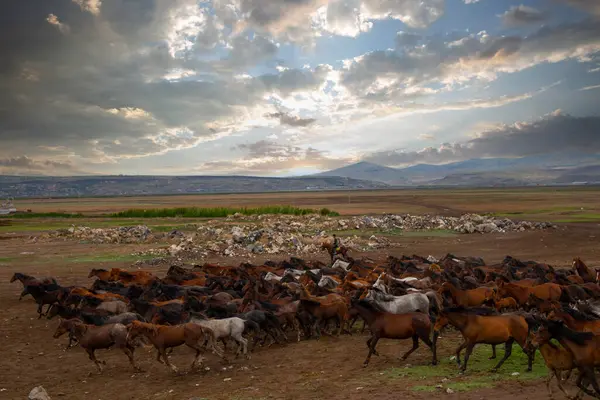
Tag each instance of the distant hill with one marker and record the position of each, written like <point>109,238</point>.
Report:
<point>17,186</point>
<point>368,171</point>
<point>533,170</point>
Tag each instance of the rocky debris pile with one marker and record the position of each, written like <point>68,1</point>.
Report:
<point>122,234</point>
<point>240,235</point>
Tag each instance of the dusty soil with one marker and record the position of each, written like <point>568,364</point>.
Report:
<point>327,369</point>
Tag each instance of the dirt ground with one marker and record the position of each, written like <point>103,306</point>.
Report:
<point>327,369</point>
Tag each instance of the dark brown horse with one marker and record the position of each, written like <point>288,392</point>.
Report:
<point>385,325</point>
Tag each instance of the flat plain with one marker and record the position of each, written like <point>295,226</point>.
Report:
<point>330,368</point>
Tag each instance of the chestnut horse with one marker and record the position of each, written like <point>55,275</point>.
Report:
<point>385,325</point>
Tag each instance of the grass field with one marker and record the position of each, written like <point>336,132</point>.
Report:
<point>163,213</point>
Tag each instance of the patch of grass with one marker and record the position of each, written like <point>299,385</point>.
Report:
<point>478,373</point>
<point>43,215</point>
<point>110,258</point>
<point>219,212</point>
<point>5,259</point>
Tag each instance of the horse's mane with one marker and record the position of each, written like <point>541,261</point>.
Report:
<point>484,311</point>
<point>559,330</point>
<point>370,305</point>
<point>99,270</point>
<point>578,315</point>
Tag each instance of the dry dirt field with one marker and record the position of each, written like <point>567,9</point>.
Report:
<point>327,369</point>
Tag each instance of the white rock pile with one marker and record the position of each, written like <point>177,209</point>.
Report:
<point>240,235</point>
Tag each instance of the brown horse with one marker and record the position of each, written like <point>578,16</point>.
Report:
<point>557,360</point>
<point>467,298</point>
<point>99,273</point>
<point>478,326</point>
<point>583,271</point>
<point>507,303</point>
<point>92,338</point>
<point>323,312</point>
<point>583,346</point>
<point>164,337</point>
<point>546,291</point>
<point>581,324</point>
<point>385,325</point>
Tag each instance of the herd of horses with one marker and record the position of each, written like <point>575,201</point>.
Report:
<point>528,303</point>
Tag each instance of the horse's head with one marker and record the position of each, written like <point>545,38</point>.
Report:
<point>15,276</point>
<point>440,322</point>
<point>64,326</point>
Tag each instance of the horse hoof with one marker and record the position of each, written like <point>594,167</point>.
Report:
<point>365,365</point>
<point>492,358</point>
<point>494,370</point>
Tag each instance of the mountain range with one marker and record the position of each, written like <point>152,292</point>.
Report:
<point>533,170</point>
<point>563,169</point>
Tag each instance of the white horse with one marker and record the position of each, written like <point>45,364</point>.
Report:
<point>328,282</point>
<point>227,328</point>
<point>413,302</point>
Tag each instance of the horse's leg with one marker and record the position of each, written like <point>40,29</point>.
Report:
<point>415,339</point>
<point>159,356</point>
<point>559,383</point>
<point>470,347</point>
<point>369,346</point>
<point>199,350</point>
<point>458,350</point>
<point>128,350</point>
<point>493,356</point>
<point>94,359</point>
<point>507,353</point>
<point>594,382</point>
<point>163,352</point>
<point>39,310</point>
<point>373,342</point>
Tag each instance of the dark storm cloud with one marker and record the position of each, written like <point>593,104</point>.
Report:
<point>555,133</point>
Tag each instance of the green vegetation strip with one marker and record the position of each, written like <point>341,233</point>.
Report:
<point>219,212</point>
<point>478,373</point>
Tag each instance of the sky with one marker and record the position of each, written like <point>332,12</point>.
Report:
<point>292,87</point>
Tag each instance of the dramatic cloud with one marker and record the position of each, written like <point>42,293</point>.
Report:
<point>420,62</point>
<point>554,133</point>
<point>523,15</point>
<point>100,85</point>
<point>267,157</point>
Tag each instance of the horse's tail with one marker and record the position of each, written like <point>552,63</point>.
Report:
<point>273,320</point>
<point>251,326</point>
<point>435,305</point>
